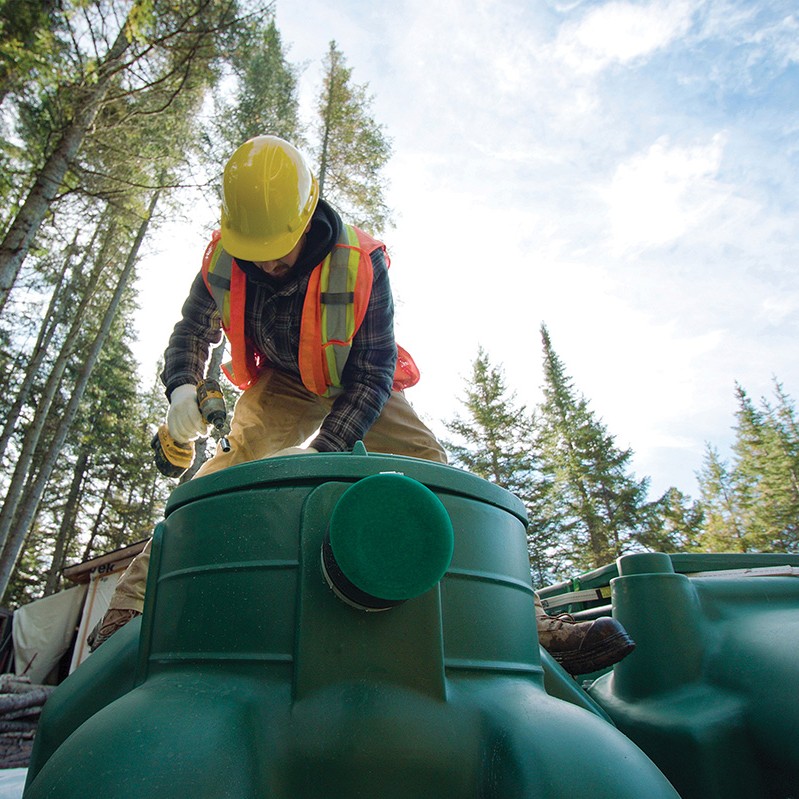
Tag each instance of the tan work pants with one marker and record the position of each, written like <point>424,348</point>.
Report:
<point>279,412</point>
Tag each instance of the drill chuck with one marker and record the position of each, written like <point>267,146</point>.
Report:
<point>212,407</point>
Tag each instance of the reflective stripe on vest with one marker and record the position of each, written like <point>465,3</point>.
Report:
<point>217,278</point>
<point>337,298</point>
<point>335,304</point>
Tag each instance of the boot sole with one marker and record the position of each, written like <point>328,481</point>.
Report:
<point>605,654</point>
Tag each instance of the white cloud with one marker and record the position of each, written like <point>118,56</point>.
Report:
<point>621,32</point>
<point>778,310</point>
<point>786,38</point>
<point>757,36</point>
<point>656,196</point>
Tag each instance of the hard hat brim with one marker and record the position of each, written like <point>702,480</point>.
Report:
<point>248,249</point>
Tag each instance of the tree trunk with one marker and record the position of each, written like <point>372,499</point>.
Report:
<point>53,318</point>
<point>46,332</point>
<point>23,229</point>
<point>67,528</point>
<point>109,486</point>
<point>327,123</point>
<point>28,509</point>
<point>30,444</point>
<point>22,470</point>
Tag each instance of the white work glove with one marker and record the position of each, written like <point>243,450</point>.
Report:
<point>184,420</point>
<point>294,451</point>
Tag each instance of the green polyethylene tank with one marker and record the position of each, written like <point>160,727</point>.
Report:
<point>710,693</point>
<point>265,670</point>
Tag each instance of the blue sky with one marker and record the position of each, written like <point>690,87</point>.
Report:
<point>625,173</point>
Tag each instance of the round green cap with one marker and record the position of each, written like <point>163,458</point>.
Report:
<point>391,536</point>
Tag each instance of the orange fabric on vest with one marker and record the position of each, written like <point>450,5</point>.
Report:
<point>243,369</point>
<point>313,369</point>
<point>245,366</point>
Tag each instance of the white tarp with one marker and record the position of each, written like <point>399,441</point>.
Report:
<point>97,601</point>
<point>12,781</point>
<point>43,631</point>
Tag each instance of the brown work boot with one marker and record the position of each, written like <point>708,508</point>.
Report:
<point>108,625</point>
<point>583,646</point>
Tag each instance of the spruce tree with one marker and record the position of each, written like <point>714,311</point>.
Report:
<point>352,148</point>
<point>673,523</point>
<point>724,529</point>
<point>264,99</point>
<point>494,441</point>
<point>599,503</point>
<point>752,503</point>
<point>782,473</point>
<point>494,436</point>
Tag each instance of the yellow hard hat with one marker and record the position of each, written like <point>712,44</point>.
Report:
<point>268,197</point>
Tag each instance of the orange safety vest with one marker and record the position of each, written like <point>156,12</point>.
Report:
<point>335,305</point>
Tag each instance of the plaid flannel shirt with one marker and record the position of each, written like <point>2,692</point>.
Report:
<point>272,323</point>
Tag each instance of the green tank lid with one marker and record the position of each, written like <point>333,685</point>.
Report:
<point>341,467</point>
<point>391,538</point>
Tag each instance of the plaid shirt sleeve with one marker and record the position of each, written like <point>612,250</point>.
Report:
<point>187,352</point>
<point>369,373</point>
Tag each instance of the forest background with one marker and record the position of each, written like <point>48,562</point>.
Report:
<point>101,149</point>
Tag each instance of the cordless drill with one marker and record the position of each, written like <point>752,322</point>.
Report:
<point>173,458</point>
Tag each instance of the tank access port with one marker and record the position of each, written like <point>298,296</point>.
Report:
<point>389,539</point>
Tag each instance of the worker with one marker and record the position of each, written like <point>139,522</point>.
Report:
<point>265,276</point>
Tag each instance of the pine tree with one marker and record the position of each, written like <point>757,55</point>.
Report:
<point>26,486</point>
<point>259,98</point>
<point>104,491</point>
<point>352,148</point>
<point>600,504</point>
<point>754,448</point>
